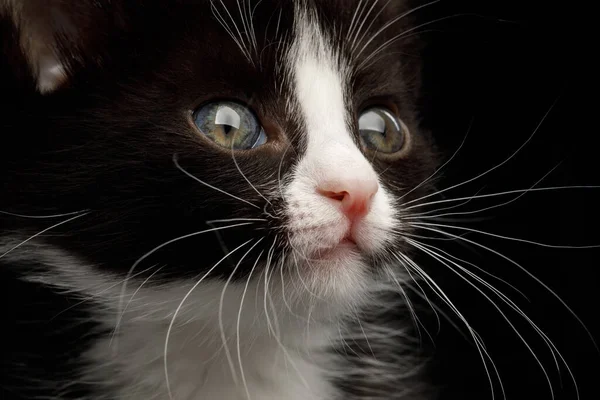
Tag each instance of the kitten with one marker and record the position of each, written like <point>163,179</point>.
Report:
<point>205,199</point>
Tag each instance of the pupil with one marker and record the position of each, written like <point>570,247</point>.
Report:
<point>227,129</point>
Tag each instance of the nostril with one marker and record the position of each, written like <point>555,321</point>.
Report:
<point>353,197</point>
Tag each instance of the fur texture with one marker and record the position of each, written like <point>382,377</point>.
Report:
<point>150,263</point>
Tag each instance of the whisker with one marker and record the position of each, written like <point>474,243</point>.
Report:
<point>436,309</point>
<point>355,15</point>
<point>140,287</point>
<point>276,337</point>
<point>551,246</point>
<point>483,196</point>
<point>301,279</point>
<point>251,23</point>
<point>355,43</point>
<point>239,316</point>
<point>166,348</point>
<point>513,287</point>
<point>416,321</point>
<point>437,171</point>
<point>104,290</point>
<point>50,216</point>
<point>497,165</point>
<point>220,314</point>
<point>424,215</point>
<point>540,282</point>
<point>243,18</point>
<point>42,232</point>
<point>235,220</point>
<point>479,344</point>
<point>266,283</point>
<point>176,162</point>
<point>244,175</point>
<point>154,250</point>
<point>554,351</point>
<point>279,185</point>
<point>390,23</point>
<point>359,29</point>
<point>406,33</point>
<point>237,39</point>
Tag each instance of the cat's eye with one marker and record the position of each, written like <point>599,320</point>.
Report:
<point>231,125</point>
<point>382,131</point>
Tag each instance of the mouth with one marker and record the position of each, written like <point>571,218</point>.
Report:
<point>345,248</point>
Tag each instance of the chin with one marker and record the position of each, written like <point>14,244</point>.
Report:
<point>330,283</point>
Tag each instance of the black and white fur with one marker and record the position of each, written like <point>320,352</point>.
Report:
<point>141,261</point>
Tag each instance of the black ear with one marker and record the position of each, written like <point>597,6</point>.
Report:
<point>55,37</point>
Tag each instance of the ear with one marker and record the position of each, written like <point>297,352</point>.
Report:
<point>53,35</point>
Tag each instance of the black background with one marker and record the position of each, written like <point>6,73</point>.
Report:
<point>498,67</point>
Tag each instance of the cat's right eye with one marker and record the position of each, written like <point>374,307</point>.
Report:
<point>380,130</point>
<point>230,125</point>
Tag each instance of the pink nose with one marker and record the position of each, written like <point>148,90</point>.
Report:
<point>354,196</point>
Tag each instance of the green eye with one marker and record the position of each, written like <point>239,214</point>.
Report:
<point>230,125</point>
<point>380,130</point>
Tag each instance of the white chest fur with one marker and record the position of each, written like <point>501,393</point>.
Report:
<point>197,368</point>
<point>285,359</point>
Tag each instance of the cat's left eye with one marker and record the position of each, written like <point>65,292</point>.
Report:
<point>230,125</point>
<point>382,131</point>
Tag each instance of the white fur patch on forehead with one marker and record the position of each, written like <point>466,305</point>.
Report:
<point>320,78</point>
<point>332,162</point>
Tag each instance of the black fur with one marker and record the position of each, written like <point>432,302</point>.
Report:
<point>105,143</point>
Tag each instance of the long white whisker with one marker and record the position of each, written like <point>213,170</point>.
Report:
<point>405,34</point>
<point>251,11</point>
<point>441,260</point>
<point>390,23</point>
<point>301,279</point>
<point>553,350</point>
<point>239,317</point>
<point>176,162</point>
<point>479,344</point>
<point>104,290</point>
<point>553,293</point>
<point>437,171</point>
<point>42,232</point>
<point>483,196</point>
<point>355,15</point>
<point>266,283</point>
<point>278,340</point>
<point>244,175</point>
<point>551,246</point>
<point>425,215</point>
<point>497,165</point>
<point>237,39</point>
<point>49,216</point>
<point>279,185</point>
<point>154,250</point>
<point>506,300</point>
<point>220,314</point>
<point>416,321</point>
<point>437,210</point>
<point>165,352</point>
<point>356,43</point>
<point>157,270</point>
<point>244,25</point>
<point>359,29</point>
<point>474,266</point>
<point>235,220</point>
<point>436,309</point>
<point>424,297</point>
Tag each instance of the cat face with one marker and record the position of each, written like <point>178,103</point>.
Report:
<point>206,140</point>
